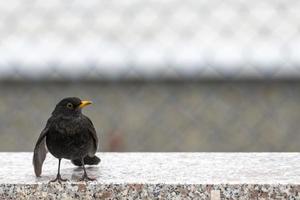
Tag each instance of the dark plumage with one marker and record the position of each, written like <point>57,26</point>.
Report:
<point>68,134</point>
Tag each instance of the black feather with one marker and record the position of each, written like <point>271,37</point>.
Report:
<point>68,135</point>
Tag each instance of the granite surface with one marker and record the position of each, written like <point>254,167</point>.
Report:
<point>157,176</point>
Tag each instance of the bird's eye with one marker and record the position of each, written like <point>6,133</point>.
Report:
<point>69,105</point>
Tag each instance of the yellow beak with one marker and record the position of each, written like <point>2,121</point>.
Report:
<point>84,103</point>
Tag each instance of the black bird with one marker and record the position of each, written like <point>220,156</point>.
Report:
<point>68,134</point>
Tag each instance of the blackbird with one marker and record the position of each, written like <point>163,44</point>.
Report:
<point>68,134</point>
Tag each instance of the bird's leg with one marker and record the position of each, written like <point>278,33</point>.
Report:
<point>85,177</point>
<point>58,176</point>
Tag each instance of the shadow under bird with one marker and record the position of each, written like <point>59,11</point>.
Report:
<point>68,135</point>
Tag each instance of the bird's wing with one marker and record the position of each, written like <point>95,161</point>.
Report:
<point>93,133</point>
<point>40,151</point>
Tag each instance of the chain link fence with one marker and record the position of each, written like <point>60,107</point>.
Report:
<point>149,39</point>
<point>164,75</point>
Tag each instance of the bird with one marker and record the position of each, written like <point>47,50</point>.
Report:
<point>68,134</point>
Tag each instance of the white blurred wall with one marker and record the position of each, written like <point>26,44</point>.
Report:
<point>150,38</point>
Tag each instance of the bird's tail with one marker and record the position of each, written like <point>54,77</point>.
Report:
<point>39,156</point>
<point>87,161</point>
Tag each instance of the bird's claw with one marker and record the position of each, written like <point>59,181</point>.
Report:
<point>86,178</point>
<point>58,179</point>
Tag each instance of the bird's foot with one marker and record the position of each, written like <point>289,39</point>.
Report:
<point>58,179</point>
<point>86,178</point>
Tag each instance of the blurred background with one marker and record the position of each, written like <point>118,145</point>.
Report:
<point>170,75</point>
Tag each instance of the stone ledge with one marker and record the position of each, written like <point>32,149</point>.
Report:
<point>158,175</point>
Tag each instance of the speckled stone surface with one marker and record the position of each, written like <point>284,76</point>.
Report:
<point>158,176</point>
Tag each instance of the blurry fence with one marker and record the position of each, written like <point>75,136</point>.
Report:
<point>85,48</point>
<point>149,39</point>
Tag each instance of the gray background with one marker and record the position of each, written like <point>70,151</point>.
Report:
<point>164,116</point>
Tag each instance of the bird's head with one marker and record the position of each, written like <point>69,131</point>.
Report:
<point>70,106</point>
